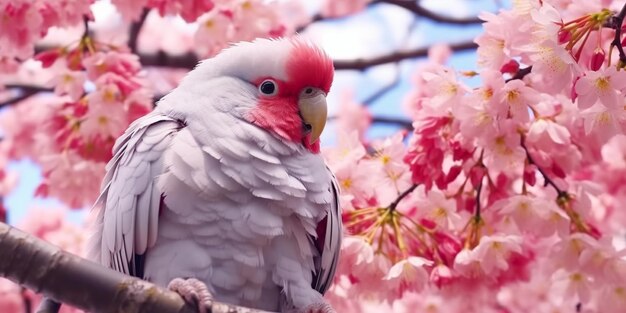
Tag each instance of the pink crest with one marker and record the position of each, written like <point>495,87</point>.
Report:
<point>308,65</point>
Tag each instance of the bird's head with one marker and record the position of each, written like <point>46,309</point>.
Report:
<point>286,79</point>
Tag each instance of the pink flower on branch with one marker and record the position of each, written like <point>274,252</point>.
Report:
<point>604,86</point>
<point>408,275</point>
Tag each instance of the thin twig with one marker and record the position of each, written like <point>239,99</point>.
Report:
<point>561,194</point>
<point>396,79</point>
<point>416,8</point>
<point>404,123</point>
<point>401,196</point>
<point>85,27</point>
<point>401,122</point>
<point>364,63</point>
<point>189,60</point>
<point>25,94</point>
<point>521,73</point>
<point>616,22</point>
<point>135,30</point>
<point>382,91</point>
<point>409,5</point>
<point>479,189</point>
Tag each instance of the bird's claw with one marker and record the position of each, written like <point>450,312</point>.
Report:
<point>193,291</point>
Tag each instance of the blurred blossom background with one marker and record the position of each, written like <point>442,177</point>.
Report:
<point>480,145</point>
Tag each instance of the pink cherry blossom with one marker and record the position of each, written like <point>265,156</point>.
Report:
<point>105,115</point>
<point>440,210</point>
<point>72,179</point>
<point>494,251</point>
<point>614,152</point>
<point>535,216</point>
<point>612,299</point>
<point>567,252</point>
<point>408,274</point>
<point>353,116</point>
<point>604,86</point>
<point>122,64</point>
<point>577,284</point>
<point>492,44</point>
<point>516,99</point>
<point>188,10</point>
<point>444,89</point>
<point>214,30</point>
<point>603,122</point>
<point>130,10</point>
<point>502,149</point>
<point>544,133</point>
<point>70,83</point>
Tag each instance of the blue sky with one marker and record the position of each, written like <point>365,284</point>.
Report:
<point>385,30</point>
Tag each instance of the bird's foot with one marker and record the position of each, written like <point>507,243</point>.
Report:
<point>193,291</point>
<point>320,307</point>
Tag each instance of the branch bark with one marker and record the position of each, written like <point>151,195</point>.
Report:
<point>135,30</point>
<point>364,63</point>
<point>416,8</point>
<point>67,278</point>
<point>409,5</point>
<point>189,60</point>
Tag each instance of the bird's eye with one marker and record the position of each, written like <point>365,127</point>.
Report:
<point>268,87</point>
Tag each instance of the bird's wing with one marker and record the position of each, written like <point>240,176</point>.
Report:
<point>328,242</point>
<point>129,204</point>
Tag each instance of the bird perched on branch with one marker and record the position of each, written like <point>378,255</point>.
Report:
<point>221,192</point>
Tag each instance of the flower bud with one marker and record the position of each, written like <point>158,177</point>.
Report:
<point>529,174</point>
<point>48,57</point>
<point>510,67</point>
<point>564,36</point>
<point>597,59</point>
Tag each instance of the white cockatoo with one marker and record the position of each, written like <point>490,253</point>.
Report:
<point>222,187</point>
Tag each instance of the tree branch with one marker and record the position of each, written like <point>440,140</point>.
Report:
<point>410,5</point>
<point>401,196</point>
<point>561,194</point>
<point>479,189</point>
<point>616,22</point>
<point>189,60</point>
<point>404,123</point>
<point>415,7</point>
<point>363,63</point>
<point>42,267</point>
<point>135,30</point>
<point>25,94</point>
<point>521,73</point>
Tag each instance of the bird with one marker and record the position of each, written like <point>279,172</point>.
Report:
<point>221,193</point>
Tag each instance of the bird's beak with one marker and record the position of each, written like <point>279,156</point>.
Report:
<point>313,109</point>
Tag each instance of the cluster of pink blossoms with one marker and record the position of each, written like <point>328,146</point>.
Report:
<point>233,21</point>
<point>23,22</point>
<point>99,92</point>
<point>508,197</point>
